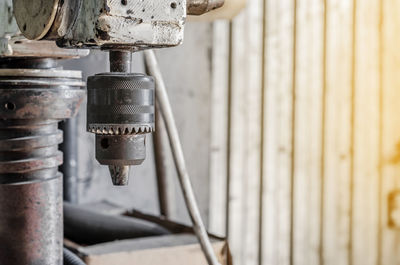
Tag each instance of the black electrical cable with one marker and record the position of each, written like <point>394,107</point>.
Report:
<point>71,259</point>
<point>88,227</point>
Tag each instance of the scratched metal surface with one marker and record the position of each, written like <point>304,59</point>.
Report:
<point>140,23</point>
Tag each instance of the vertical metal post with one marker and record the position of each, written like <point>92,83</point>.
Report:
<point>161,151</point>
<point>120,61</point>
<point>32,102</point>
<point>70,166</point>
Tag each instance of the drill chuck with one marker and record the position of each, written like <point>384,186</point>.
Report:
<point>120,111</point>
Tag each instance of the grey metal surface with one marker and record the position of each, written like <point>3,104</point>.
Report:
<point>119,174</point>
<point>120,150</point>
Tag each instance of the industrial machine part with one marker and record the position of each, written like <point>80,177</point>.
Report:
<point>120,107</point>
<point>35,94</point>
<point>34,97</point>
<point>120,111</point>
<point>133,24</point>
<point>70,166</point>
<point>130,23</point>
<point>120,104</point>
<point>71,259</point>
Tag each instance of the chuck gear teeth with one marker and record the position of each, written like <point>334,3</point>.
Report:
<point>120,129</point>
<point>120,104</point>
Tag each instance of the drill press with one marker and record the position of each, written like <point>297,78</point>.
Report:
<point>120,109</point>
<point>36,94</point>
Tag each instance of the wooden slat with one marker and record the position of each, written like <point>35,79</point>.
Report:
<point>246,131</point>
<point>308,132</point>
<point>346,125</point>
<point>237,143</point>
<point>390,247</point>
<point>365,205</point>
<point>219,128</point>
<point>337,135</point>
<point>253,72</point>
<point>278,120</point>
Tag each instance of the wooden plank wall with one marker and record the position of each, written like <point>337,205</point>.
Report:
<point>312,135</point>
<point>390,120</point>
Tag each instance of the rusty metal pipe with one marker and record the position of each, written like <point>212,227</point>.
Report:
<point>31,228</point>
<point>32,102</point>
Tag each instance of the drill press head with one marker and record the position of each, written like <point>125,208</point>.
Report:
<point>120,108</point>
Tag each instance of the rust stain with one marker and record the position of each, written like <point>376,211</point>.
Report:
<point>395,158</point>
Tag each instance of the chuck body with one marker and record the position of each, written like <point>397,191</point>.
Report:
<point>120,111</point>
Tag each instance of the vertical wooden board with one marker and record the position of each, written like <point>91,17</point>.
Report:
<point>253,72</point>
<point>237,142</point>
<point>337,135</point>
<point>246,134</point>
<point>365,206</point>
<point>219,128</point>
<point>390,247</point>
<point>308,132</point>
<point>278,120</point>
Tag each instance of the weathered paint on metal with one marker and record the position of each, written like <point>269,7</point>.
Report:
<point>107,23</point>
<point>7,21</point>
<point>199,7</point>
